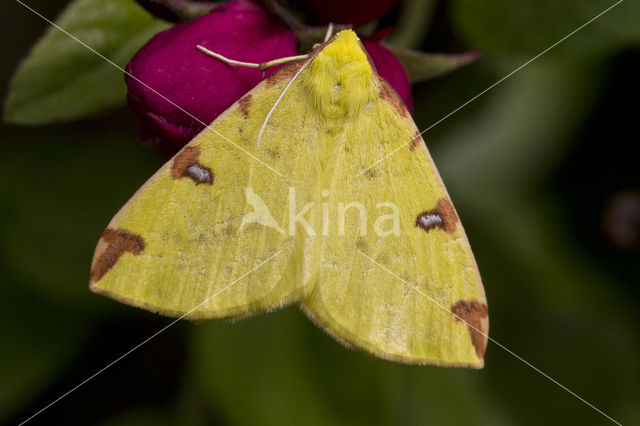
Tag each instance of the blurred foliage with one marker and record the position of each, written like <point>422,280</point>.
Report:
<point>81,181</point>
<point>35,352</point>
<point>560,295</point>
<point>61,71</point>
<point>527,27</point>
<point>281,369</point>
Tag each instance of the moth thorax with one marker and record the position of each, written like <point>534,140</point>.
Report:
<point>340,79</point>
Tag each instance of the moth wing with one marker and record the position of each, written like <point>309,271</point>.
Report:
<point>394,294</point>
<point>194,238</point>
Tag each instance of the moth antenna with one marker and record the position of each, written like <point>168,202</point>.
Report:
<point>308,61</point>
<point>262,66</point>
<point>329,32</point>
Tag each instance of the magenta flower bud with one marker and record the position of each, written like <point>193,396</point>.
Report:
<point>355,12</point>
<point>202,85</point>
<point>390,68</point>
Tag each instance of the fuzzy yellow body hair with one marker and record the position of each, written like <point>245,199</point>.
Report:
<point>373,252</point>
<point>340,79</point>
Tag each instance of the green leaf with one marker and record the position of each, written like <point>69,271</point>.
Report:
<point>423,66</point>
<point>63,80</point>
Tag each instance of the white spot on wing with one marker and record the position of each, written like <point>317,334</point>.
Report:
<point>199,173</point>
<point>430,220</point>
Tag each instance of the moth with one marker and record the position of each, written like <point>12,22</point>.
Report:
<point>307,191</point>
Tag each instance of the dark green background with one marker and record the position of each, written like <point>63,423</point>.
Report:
<point>531,167</point>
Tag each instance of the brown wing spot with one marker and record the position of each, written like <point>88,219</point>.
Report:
<point>388,94</point>
<point>476,315</point>
<point>244,103</point>
<point>416,141</point>
<point>443,216</point>
<point>285,73</point>
<point>112,244</point>
<point>188,156</point>
<point>185,164</point>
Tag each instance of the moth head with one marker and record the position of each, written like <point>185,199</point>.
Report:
<point>340,78</point>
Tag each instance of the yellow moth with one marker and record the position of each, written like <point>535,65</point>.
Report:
<point>372,251</point>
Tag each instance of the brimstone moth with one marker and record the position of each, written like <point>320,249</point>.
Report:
<point>371,250</point>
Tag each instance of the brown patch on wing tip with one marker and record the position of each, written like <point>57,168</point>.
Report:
<point>476,315</point>
<point>244,103</point>
<point>284,73</point>
<point>188,156</point>
<point>443,216</point>
<point>388,94</point>
<point>185,164</point>
<point>113,243</point>
<point>415,142</point>
<point>448,213</point>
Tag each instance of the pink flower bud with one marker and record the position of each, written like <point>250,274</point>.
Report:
<point>390,68</point>
<point>202,85</point>
<point>356,12</point>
